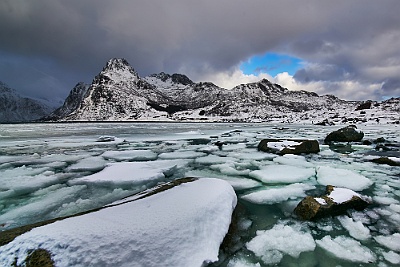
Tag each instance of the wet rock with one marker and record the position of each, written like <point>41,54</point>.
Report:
<point>387,161</point>
<point>367,142</point>
<point>336,201</point>
<point>292,146</point>
<point>346,134</point>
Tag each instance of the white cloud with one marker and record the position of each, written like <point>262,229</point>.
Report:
<point>230,79</point>
<point>345,89</point>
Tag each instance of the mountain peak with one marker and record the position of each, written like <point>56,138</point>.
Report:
<point>119,69</point>
<point>117,63</point>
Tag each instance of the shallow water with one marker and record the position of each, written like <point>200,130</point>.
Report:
<point>40,165</point>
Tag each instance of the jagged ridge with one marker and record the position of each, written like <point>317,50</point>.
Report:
<point>118,93</point>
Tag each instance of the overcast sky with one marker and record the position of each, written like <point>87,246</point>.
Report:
<point>348,48</point>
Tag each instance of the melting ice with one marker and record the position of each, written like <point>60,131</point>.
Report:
<point>52,170</point>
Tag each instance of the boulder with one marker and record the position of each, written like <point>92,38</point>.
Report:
<point>292,146</point>
<point>346,134</point>
<point>336,201</point>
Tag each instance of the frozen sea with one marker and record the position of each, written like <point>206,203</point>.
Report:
<point>53,170</point>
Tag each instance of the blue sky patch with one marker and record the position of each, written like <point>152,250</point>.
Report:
<point>271,63</point>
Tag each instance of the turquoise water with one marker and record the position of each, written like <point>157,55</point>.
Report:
<point>38,163</point>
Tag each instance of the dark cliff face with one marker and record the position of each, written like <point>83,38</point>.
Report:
<point>71,103</point>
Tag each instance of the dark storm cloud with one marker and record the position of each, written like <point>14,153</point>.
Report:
<point>72,39</point>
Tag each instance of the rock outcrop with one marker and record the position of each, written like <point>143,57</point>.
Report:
<point>336,201</point>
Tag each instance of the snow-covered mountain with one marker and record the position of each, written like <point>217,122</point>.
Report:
<point>71,103</point>
<point>118,93</point>
<point>16,108</point>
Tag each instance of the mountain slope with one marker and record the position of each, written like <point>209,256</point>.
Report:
<point>118,93</point>
<point>71,103</point>
<point>15,108</point>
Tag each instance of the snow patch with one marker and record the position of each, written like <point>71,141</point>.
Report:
<point>282,145</point>
<point>341,195</point>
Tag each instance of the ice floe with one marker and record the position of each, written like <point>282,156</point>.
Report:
<point>132,173</point>
<point>182,155</point>
<point>88,164</point>
<point>229,169</point>
<point>294,160</point>
<point>133,155</point>
<point>278,194</point>
<point>13,185</point>
<point>41,204</point>
<point>235,182</point>
<point>342,178</point>
<point>390,241</point>
<point>214,159</point>
<point>271,245</point>
<point>346,248</point>
<point>391,257</point>
<point>282,174</point>
<point>178,227</point>
<point>356,228</point>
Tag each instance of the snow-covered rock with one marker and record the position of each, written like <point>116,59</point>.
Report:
<point>336,201</point>
<point>283,146</point>
<point>182,226</point>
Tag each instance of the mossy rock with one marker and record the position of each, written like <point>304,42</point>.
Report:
<point>313,208</point>
<point>37,258</point>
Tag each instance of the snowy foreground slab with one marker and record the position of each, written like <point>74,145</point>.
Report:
<point>182,226</point>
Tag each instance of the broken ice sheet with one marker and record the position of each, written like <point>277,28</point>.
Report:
<point>271,245</point>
